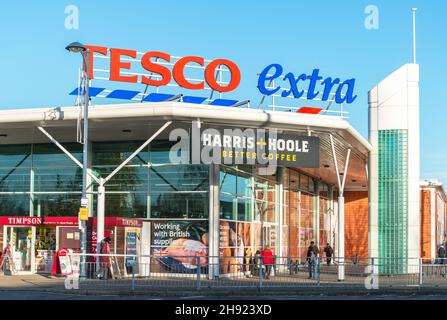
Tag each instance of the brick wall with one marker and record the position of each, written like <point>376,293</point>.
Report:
<point>425,224</point>
<point>436,224</point>
<point>356,223</point>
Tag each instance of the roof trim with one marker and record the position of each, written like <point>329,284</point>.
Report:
<point>179,110</point>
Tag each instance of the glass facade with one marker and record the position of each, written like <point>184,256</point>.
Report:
<point>300,225</point>
<point>324,212</point>
<point>393,196</point>
<point>40,180</point>
<point>250,213</point>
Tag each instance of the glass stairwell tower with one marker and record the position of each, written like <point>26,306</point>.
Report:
<point>394,216</point>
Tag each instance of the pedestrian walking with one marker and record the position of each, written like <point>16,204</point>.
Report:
<point>441,254</point>
<point>312,254</point>
<point>268,261</point>
<point>104,261</point>
<point>328,251</point>
<point>256,263</point>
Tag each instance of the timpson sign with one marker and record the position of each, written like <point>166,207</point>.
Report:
<point>251,147</point>
<point>67,221</point>
<point>37,221</point>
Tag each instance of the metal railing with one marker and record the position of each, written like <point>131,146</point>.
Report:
<point>144,273</point>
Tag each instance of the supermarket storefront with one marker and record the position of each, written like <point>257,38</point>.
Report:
<point>34,241</point>
<point>222,209</point>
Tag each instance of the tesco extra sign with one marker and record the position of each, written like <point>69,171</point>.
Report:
<point>116,65</point>
<point>310,86</point>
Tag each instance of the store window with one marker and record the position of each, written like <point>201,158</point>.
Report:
<point>235,194</point>
<point>15,167</point>
<point>291,214</point>
<point>324,218</point>
<point>107,156</point>
<point>307,223</point>
<point>56,204</point>
<point>54,171</point>
<point>265,199</point>
<point>14,205</point>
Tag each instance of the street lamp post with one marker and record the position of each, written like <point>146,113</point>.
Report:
<point>79,48</point>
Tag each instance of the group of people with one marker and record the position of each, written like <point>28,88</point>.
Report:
<point>262,263</point>
<point>312,256</point>
<point>265,260</point>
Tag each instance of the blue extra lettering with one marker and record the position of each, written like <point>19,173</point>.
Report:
<point>274,71</point>
<point>349,98</point>
<point>313,82</point>
<point>294,85</point>
<point>328,85</point>
<point>264,76</point>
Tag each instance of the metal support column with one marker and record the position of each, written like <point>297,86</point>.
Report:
<point>341,238</point>
<point>317,212</point>
<point>341,210</point>
<point>214,222</point>
<point>280,206</point>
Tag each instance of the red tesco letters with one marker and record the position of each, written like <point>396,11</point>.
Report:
<point>117,65</point>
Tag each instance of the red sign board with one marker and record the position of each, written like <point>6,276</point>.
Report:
<point>67,221</point>
<point>35,221</point>
<point>118,222</point>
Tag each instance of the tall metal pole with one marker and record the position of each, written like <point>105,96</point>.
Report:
<point>341,236</point>
<point>414,34</point>
<point>84,200</point>
<point>100,219</point>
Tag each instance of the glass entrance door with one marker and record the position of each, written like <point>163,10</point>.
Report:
<point>20,239</point>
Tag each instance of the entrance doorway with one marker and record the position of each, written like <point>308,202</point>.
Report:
<point>46,243</point>
<point>22,247</point>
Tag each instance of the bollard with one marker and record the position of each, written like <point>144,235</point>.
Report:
<point>198,274</point>
<point>260,274</point>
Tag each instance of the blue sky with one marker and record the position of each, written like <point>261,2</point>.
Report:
<point>300,35</point>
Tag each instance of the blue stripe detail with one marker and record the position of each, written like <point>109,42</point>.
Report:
<point>223,102</point>
<point>153,97</point>
<point>191,99</point>
<point>122,94</point>
<point>92,91</point>
<point>157,97</point>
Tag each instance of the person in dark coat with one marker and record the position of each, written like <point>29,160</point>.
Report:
<point>256,263</point>
<point>441,254</point>
<point>329,252</point>
<point>312,254</point>
<point>104,261</point>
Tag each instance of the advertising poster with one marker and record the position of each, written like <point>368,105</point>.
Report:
<point>235,246</point>
<point>132,248</point>
<point>179,245</point>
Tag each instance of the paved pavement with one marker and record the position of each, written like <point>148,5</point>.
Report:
<point>32,282</point>
<point>36,295</point>
<point>41,287</point>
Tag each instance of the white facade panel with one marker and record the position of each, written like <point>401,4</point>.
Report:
<point>394,105</point>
